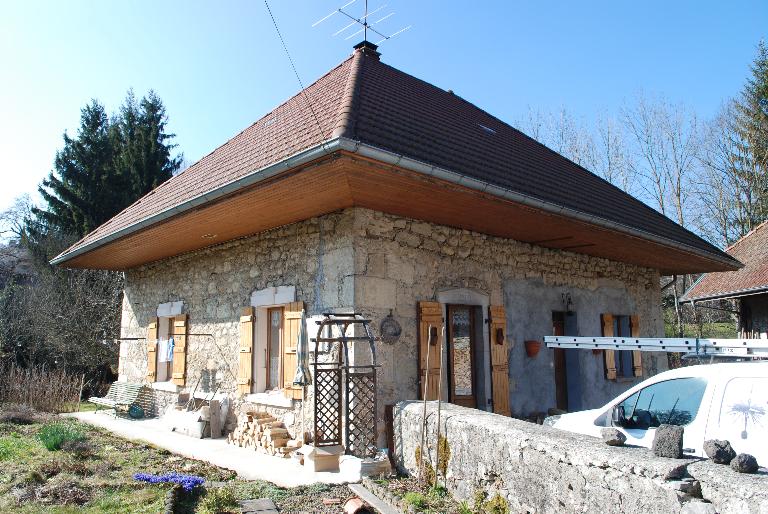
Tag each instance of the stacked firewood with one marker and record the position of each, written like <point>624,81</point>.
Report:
<point>262,432</point>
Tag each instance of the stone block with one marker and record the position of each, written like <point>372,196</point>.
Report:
<point>374,293</point>
<point>613,437</point>
<point>719,451</point>
<point>424,229</point>
<point>744,463</point>
<point>668,441</point>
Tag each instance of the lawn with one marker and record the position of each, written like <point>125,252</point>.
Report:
<point>709,330</point>
<point>92,472</point>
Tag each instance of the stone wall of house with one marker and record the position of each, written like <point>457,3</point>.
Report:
<point>539,469</point>
<point>400,261</point>
<point>380,264</point>
<point>215,284</point>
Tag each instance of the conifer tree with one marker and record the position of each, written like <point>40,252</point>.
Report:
<point>106,167</point>
<point>750,129</point>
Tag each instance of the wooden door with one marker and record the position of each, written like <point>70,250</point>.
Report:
<point>497,322</point>
<point>430,342</point>
<point>461,355</point>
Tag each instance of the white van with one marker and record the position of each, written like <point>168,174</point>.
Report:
<point>712,401</point>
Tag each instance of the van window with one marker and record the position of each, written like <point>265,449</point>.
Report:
<point>744,410</point>
<point>672,402</point>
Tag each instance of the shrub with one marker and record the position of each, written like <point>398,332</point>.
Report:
<point>39,388</point>
<point>216,501</point>
<point>19,415</point>
<point>415,500</point>
<point>54,435</point>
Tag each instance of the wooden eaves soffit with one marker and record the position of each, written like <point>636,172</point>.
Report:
<point>346,177</point>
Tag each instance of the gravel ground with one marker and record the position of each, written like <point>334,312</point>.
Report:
<point>310,499</point>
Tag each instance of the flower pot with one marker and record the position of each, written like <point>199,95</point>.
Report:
<point>532,348</point>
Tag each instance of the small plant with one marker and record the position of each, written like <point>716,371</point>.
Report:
<point>438,492</point>
<point>464,508</point>
<point>219,500</point>
<point>443,454</point>
<point>479,500</point>
<point>54,435</point>
<point>187,482</point>
<point>416,500</point>
<point>496,505</point>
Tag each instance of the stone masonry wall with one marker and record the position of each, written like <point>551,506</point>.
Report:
<point>377,263</point>
<point>399,261</point>
<point>315,256</point>
<point>538,469</point>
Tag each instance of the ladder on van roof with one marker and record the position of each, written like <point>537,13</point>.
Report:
<point>691,347</point>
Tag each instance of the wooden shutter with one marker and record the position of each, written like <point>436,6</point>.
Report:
<point>245,366</point>
<point>609,356</point>
<point>152,351</point>
<point>430,319</point>
<point>291,324</point>
<point>179,349</point>
<point>637,355</point>
<point>497,319</point>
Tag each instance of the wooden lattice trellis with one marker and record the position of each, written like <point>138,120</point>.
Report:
<point>345,394</point>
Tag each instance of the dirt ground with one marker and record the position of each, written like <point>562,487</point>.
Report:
<point>96,475</point>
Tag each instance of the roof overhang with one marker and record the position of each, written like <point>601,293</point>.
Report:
<point>727,295</point>
<point>343,173</point>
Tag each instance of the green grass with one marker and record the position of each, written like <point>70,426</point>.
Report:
<point>105,475</point>
<point>709,330</point>
<point>12,446</point>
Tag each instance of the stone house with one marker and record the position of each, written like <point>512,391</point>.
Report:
<point>402,201</point>
<point>748,286</point>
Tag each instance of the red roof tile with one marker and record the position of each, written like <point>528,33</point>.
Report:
<point>752,251</point>
<point>366,100</point>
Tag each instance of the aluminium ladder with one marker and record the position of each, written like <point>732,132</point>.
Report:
<point>691,347</point>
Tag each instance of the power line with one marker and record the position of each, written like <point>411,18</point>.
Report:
<point>293,66</point>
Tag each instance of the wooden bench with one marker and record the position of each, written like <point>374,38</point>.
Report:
<point>121,396</point>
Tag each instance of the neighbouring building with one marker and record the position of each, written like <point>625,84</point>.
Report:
<point>402,201</point>
<point>748,286</point>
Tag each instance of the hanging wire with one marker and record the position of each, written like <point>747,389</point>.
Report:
<point>293,66</point>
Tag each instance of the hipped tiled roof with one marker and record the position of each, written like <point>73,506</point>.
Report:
<point>366,100</point>
<point>752,251</point>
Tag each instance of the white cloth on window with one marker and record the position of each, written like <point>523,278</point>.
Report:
<point>169,350</point>
<point>162,350</point>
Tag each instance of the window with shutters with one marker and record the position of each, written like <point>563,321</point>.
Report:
<point>267,360</point>
<point>624,364</point>
<point>164,352</point>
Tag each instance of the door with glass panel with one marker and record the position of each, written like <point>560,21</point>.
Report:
<point>274,348</point>
<point>461,355</point>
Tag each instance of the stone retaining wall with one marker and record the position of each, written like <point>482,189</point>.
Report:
<point>539,469</point>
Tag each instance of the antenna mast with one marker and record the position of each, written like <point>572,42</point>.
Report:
<point>363,22</point>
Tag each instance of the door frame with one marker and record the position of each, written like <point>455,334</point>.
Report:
<point>465,401</point>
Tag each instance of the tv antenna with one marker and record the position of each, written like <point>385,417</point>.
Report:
<point>363,22</point>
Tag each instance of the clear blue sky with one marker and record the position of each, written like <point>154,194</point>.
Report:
<point>218,66</point>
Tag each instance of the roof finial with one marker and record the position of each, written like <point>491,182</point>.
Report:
<point>363,21</point>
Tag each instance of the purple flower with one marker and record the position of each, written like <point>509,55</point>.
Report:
<point>187,482</point>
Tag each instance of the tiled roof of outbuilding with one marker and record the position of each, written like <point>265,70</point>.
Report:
<point>752,251</point>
